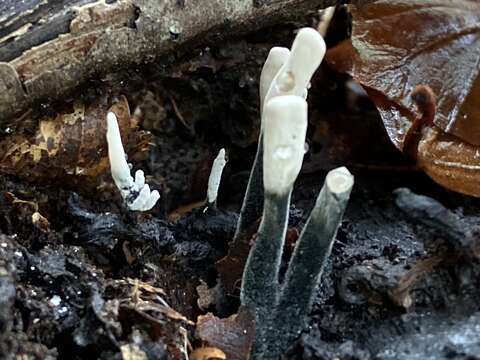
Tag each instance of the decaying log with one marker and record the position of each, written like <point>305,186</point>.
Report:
<point>49,47</point>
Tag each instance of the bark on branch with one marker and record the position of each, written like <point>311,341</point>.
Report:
<point>49,47</point>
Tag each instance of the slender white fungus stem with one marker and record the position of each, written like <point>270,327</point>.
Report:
<point>284,142</point>
<point>215,177</point>
<point>135,192</point>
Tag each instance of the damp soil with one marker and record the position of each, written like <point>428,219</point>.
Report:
<point>89,279</point>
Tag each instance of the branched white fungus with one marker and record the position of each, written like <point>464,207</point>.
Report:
<point>135,192</point>
<point>276,167</point>
<point>285,129</point>
<point>285,72</point>
<point>215,177</point>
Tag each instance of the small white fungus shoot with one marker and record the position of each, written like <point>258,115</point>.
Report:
<point>215,177</point>
<point>135,192</point>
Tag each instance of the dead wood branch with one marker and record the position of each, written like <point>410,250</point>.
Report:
<point>49,47</point>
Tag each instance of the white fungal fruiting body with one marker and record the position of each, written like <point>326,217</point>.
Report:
<point>276,58</point>
<point>339,180</point>
<point>135,192</point>
<point>284,126</point>
<point>215,176</point>
<point>284,109</point>
<point>284,142</point>
<point>293,78</point>
<point>116,154</point>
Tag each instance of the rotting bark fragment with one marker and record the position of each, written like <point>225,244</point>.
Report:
<point>69,147</point>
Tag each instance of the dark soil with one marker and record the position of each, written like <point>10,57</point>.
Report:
<point>100,282</point>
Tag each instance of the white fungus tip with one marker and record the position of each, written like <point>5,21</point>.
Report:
<point>339,180</point>
<point>113,131</point>
<point>139,204</point>
<point>139,178</point>
<point>311,39</point>
<point>221,154</point>
<point>308,50</point>
<point>116,153</point>
<point>216,176</point>
<point>111,116</point>
<point>154,197</point>
<point>275,60</point>
<point>284,142</point>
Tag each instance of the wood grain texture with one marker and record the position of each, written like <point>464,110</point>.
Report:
<point>49,47</point>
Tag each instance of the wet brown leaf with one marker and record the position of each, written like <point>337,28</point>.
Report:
<point>398,45</point>
<point>233,335</point>
<point>69,147</point>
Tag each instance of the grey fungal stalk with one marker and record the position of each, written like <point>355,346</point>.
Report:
<point>281,309</point>
<point>136,194</point>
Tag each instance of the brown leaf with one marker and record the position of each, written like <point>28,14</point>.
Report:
<point>451,163</point>
<point>230,267</point>
<point>233,335</point>
<point>398,45</point>
<point>207,353</point>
